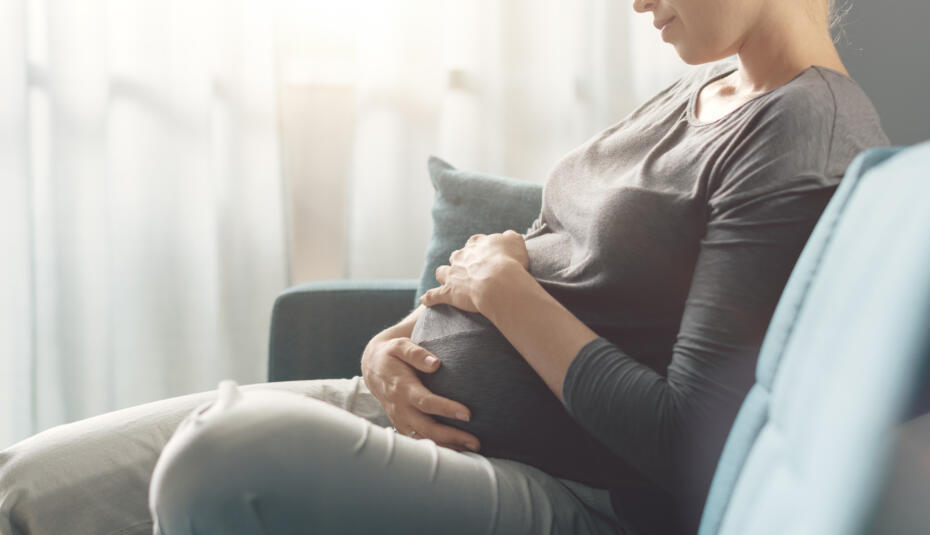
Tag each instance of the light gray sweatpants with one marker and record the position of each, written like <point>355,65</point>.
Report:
<point>273,458</point>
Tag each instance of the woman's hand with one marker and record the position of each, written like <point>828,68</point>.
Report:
<point>388,368</point>
<point>474,270</point>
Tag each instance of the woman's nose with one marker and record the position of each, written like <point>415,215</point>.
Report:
<point>642,6</point>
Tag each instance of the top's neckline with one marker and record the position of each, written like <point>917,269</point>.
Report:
<point>692,101</point>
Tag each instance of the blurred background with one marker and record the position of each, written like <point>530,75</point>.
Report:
<point>167,168</point>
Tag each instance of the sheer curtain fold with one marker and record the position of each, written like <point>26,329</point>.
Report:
<point>147,234</point>
<point>16,266</point>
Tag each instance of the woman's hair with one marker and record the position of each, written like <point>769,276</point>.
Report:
<point>836,14</point>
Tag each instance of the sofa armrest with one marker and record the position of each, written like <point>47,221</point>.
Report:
<point>319,329</point>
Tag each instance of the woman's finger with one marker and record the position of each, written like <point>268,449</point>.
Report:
<point>474,238</point>
<point>418,436</point>
<point>406,430</point>
<point>415,355</point>
<point>441,273</point>
<point>447,295</point>
<point>428,299</point>
<point>444,434</point>
<point>439,295</point>
<point>451,446</point>
<point>427,402</point>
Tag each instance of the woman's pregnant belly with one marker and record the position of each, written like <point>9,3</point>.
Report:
<point>514,413</point>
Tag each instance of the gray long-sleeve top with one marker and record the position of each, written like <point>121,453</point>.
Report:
<point>673,239</point>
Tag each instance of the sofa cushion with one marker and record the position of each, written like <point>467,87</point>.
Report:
<point>838,363</point>
<point>469,203</point>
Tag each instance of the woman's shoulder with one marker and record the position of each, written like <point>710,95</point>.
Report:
<point>810,128</point>
<point>856,116</point>
<point>825,89</point>
<point>822,104</point>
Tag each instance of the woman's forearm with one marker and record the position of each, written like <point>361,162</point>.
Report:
<point>401,329</point>
<point>545,333</point>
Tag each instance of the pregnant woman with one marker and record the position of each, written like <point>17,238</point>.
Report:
<point>578,378</point>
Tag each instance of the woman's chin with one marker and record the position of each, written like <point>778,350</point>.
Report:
<point>694,55</point>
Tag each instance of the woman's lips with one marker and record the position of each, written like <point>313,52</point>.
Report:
<point>665,25</point>
<point>659,25</point>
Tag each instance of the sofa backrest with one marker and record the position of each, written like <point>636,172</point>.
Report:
<point>849,336</point>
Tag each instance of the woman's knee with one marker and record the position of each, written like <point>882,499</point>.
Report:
<point>190,482</point>
<point>230,463</point>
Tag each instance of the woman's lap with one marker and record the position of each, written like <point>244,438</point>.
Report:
<point>323,470</point>
<point>93,476</point>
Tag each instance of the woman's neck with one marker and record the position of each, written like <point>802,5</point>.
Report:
<point>781,47</point>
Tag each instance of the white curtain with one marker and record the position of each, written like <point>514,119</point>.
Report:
<point>144,225</point>
<point>501,86</point>
<point>141,202</point>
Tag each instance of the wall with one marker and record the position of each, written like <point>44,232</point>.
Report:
<point>886,48</point>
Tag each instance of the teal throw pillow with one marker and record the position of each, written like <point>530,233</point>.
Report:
<point>469,203</point>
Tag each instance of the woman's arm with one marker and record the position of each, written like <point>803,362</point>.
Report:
<point>545,333</point>
<point>670,426</point>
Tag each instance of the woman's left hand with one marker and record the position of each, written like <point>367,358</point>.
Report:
<point>474,270</point>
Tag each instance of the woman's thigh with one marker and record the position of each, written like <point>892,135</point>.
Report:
<point>271,462</point>
<point>92,476</point>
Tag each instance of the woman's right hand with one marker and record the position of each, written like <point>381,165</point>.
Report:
<point>389,369</point>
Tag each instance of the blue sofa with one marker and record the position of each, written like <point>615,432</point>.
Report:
<point>844,357</point>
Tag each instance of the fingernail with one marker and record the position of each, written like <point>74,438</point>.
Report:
<point>462,416</point>
<point>431,360</point>
<point>472,446</point>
